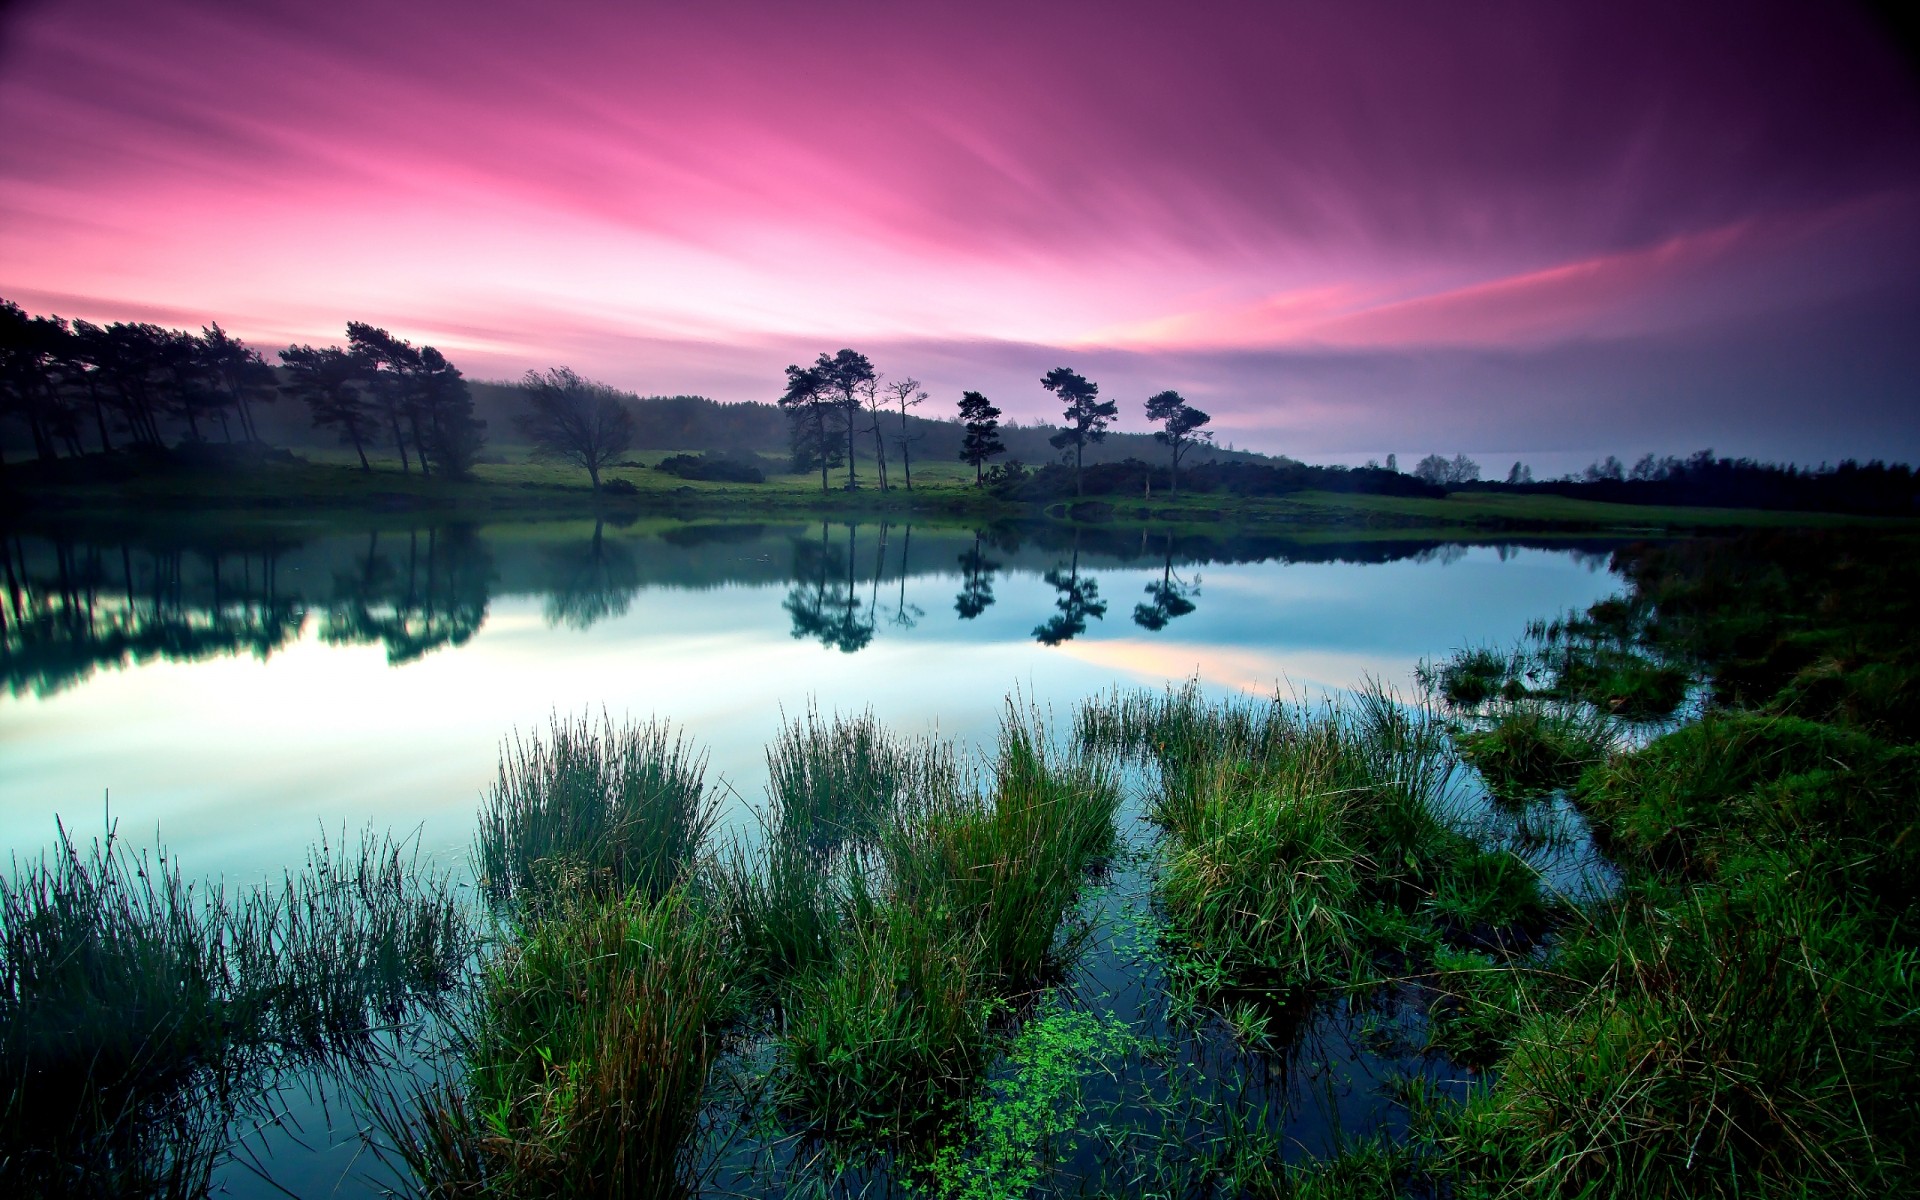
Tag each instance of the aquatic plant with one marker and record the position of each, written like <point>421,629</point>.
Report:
<point>1530,747</point>
<point>589,1047</point>
<point>138,1013</point>
<point>599,808</point>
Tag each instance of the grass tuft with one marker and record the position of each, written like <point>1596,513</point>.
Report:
<point>601,809</point>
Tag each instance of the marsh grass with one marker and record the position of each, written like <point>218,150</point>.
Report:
<point>138,1012</point>
<point>898,898</point>
<point>1528,748</point>
<point>1707,1041</point>
<point>894,1032</point>
<point>1303,842</point>
<point>589,1050</point>
<point>839,780</point>
<point>593,807</point>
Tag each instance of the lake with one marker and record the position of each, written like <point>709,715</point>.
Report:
<point>237,694</point>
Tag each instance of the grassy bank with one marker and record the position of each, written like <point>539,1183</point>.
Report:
<point>266,484</point>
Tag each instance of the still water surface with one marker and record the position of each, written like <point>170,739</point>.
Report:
<point>240,696</point>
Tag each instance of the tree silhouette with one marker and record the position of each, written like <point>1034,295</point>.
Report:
<point>1179,425</point>
<point>30,351</point>
<point>981,440</point>
<point>239,370</point>
<point>1078,600</point>
<point>575,420</point>
<point>384,361</point>
<point>976,589</point>
<point>1167,599</point>
<point>870,396</point>
<point>847,378</point>
<point>328,380</point>
<point>909,395</point>
<point>807,403</point>
<point>439,393</point>
<point>126,357</point>
<point>1087,416</point>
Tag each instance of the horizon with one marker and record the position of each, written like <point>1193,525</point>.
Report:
<point>1553,235</point>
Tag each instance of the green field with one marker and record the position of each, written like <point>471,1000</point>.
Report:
<point>328,483</point>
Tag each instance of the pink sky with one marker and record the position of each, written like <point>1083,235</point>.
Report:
<point>1342,229</point>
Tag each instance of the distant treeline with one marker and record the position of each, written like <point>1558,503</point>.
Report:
<point>1700,481</point>
<point>1704,480</point>
<point>72,388</point>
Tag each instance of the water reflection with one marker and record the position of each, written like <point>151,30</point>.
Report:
<point>73,606</point>
<point>413,596</point>
<point>1169,598</point>
<point>593,580</point>
<point>821,601</point>
<point>1078,599</point>
<point>78,599</point>
<point>976,594</point>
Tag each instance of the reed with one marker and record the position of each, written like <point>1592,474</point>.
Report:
<point>138,1012</point>
<point>595,808</point>
<point>589,1051</point>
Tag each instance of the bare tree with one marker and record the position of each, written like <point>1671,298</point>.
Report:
<point>575,420</point>
<point>909,394</point>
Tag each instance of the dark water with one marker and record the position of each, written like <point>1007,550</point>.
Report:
<point>236,695</point>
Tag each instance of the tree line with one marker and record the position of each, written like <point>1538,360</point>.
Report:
<point>128,384</point>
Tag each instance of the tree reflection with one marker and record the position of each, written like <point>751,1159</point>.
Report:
<point>432,593</point>
<point>821,600</point>
<point>1078,600</point>
<point>905,615</point>
<point>72,607</point>
<point>592,580</point>
<point>1168,598</point>
<point>976,589</point>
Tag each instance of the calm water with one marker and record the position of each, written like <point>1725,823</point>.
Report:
<point>238,696</point>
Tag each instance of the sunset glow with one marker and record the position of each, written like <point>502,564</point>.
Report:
<point>1342,229</point>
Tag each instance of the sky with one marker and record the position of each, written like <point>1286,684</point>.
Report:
<point>1549,230</point>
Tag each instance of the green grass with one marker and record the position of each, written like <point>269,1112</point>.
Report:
<point>598,808</point>
<point>139,1014</point>
<point>591,1045</point>
<point>1530,747</point>
<point>1303,843</point>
